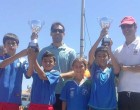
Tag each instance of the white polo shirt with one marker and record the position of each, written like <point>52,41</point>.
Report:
<point>129,55</point>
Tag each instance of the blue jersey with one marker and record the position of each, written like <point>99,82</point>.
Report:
<point>64,58</point>
<point>43,91</point>
<point>11,81</point>
<point>103,94</point>
<point>76,96</point>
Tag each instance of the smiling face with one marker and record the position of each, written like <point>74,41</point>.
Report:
<point>10,46</point>
<point>48,63</point>
<point>129,30</point>
<point>102,58</point>
<point>57,33</point>
<point>79,68</point>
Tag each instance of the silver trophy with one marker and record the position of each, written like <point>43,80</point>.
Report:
<point>105,22</point>
<point>36,26</point>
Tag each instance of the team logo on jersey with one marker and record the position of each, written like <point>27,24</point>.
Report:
<point>104,76</point>
<point>84,91</point>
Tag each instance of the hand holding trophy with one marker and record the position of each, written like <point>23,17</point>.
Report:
<point>105,22</point>
<point>36,26</point>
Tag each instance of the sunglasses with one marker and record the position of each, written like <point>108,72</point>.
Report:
<point>126,26</point>
<point>57,30</point>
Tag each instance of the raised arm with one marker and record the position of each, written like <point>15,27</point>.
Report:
<point>94,47</point>
<point>33,65</point>
<point>31,60</point>
<point>40,71</point>
<point>13,58</point>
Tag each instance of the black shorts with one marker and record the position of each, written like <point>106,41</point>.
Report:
<point>128,101</point>
<point>58,104</point>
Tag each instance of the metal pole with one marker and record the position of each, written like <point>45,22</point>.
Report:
<point>82,29</point>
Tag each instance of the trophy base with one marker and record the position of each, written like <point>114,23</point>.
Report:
<point>106,42</point>
<point>34,46</point>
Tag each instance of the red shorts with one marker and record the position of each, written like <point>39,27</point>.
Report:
<point>9,106</point>
<point>40,107</point>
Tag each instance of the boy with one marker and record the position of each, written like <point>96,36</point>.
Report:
<point>11,73</point>
<point>103,95</point>
<point>44,81</point>
<point>76,93</point>
<point>64,57</point>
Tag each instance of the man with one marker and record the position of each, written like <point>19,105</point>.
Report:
<point>128,56</point>
<point>64,56</point>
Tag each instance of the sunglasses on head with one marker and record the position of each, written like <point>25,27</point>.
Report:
<point>127,26</point>
<point>57,30</point>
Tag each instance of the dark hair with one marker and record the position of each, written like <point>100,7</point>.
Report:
<point>134,24</point>
<point>101,48</point>
<point>48,54</point>
<point>10,36</point>
<point>56,24</point>
<point>83,60</point>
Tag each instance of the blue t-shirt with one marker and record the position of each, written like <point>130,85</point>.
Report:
<point>103,94</point>
<point>11,80</point>
<point>43,91</point>
<point>76,96</point>
<point>64,58</point>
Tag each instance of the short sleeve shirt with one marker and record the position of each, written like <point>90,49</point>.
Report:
<point>76,96</point>
<point>11,80</point>
<point>64,58</point>
<point>43,91</point>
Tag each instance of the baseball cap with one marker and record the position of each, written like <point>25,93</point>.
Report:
<point>128,20</point>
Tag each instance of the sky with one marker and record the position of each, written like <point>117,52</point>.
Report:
<point>15,14</point>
